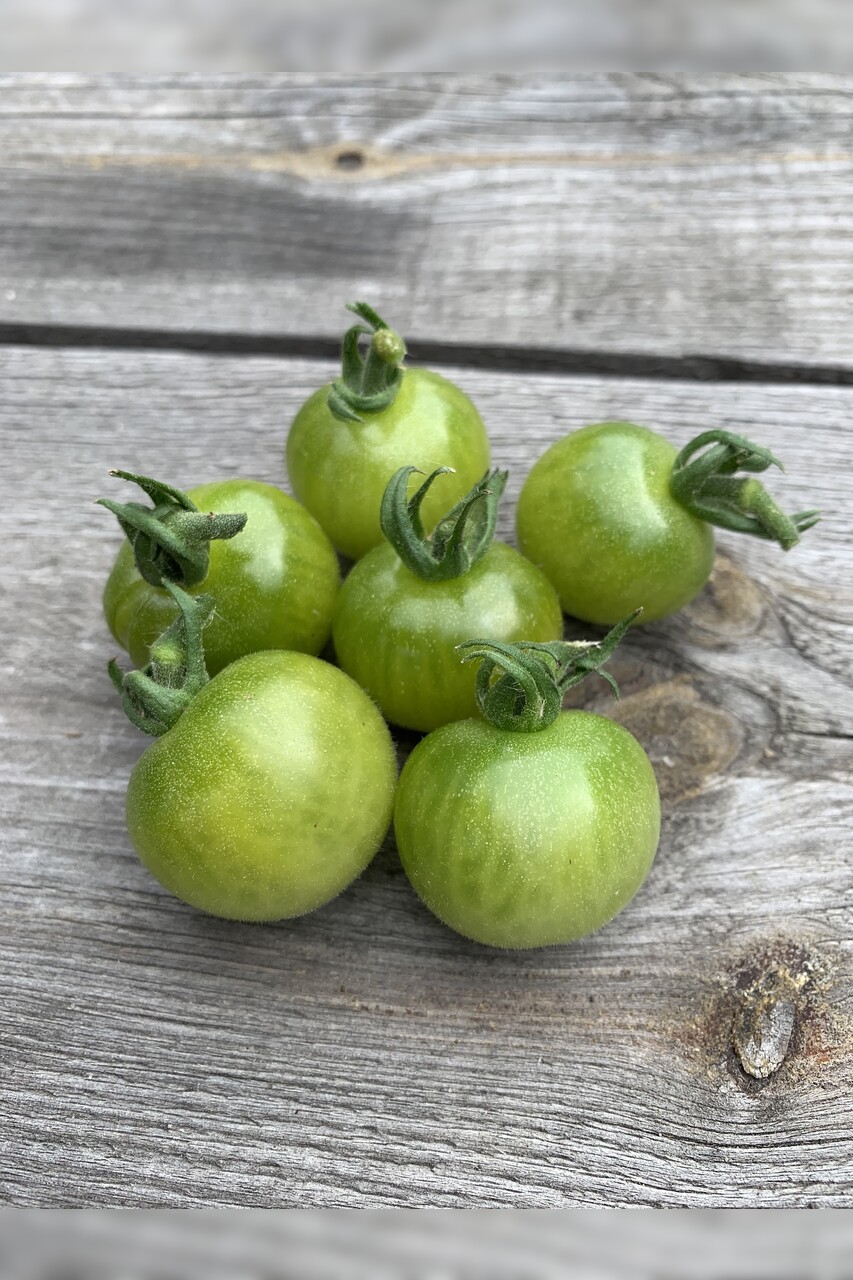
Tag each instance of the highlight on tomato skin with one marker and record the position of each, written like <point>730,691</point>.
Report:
<point>273,572</point>
<point>407,604</point>
<point>268,789</point>
<point>617,518</point>
<point>530,826</point>
<point>351,435</point>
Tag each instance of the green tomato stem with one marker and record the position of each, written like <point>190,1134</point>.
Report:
<point>156,697</point>
<point>461,537</point>
<point>520,687</point>
<point>705,484</point>
<point>171,540</point>
<point>367,385</point>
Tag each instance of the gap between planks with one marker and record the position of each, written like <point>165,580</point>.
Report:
<point>482,356</point>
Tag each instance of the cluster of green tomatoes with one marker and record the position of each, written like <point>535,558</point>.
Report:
<point>273,777</point>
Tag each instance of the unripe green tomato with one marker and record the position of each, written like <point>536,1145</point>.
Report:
<point>396,634</point>
<point>271,793</point>
<point>597,516</point>
<point>527,839</point>
<point>275,583</point>
<point>339,470</point>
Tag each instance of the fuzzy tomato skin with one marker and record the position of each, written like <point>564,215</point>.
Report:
<point>528,839</point>
<point>275,583</point>
<point>396,634</point>
<point>271,793</point>
<point>339,470</point>
<point>596,515</point>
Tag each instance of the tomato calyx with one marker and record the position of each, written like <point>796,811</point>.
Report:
<point>461,537</point>
<point>156,697</point>
<point>703,481</point>
<point>367,384</point>
<point>171,540</point>
<point>520,687</point>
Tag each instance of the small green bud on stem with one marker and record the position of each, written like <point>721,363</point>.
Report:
<point>367,385</point>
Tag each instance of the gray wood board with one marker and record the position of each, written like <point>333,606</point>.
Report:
<point>668,216</point>
<point>365,1054</point>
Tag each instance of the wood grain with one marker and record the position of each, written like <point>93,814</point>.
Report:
<point>365,1055</point>
<point>670,216</point>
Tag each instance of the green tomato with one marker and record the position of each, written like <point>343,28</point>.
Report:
<point>396,634</point>
<point>339,470</point>
<point>270,794</point>
<point>275,583</point>
<point>597,516</point>
<point>528,839</point>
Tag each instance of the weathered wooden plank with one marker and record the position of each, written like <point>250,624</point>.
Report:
<point>365,1054</point>
<point>665,215</point>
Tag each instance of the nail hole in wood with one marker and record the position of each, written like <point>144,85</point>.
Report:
<point>350,159</point>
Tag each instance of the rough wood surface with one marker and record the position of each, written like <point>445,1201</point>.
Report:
<point>365,1054</point>
<point>664,215</point>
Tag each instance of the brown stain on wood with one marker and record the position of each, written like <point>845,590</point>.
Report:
<point>730,608</point>
<point>688,740</point>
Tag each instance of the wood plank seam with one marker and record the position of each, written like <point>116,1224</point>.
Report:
<point>567,361</point>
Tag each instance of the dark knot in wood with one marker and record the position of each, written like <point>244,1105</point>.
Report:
<point>764,1023</point>
<point>350,159</point>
